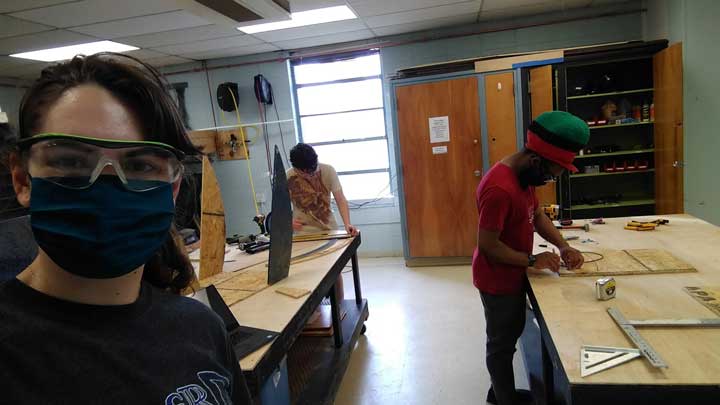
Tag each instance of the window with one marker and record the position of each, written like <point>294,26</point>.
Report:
<point>340,106</point>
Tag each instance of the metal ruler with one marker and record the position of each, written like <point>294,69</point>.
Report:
<point>650,354</point>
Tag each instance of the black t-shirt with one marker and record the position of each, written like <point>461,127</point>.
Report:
<point>161,349</point>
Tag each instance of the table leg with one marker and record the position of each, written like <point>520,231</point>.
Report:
<point>356,279</point>
<point>548,374</point>
<point>336,321</point>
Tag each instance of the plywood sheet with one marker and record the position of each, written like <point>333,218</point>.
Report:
<point>658,260</point>
<point>630,262</point>
<point>212,224</point>
<point>293,292</point>
<point>247,281</point>
<point>709,297</point>
<point>234,296</point>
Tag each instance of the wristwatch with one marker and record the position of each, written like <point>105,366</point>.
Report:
<point>531,260</point>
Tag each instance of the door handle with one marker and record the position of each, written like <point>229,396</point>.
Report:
<point>478,173</point>
<point>678,164</point>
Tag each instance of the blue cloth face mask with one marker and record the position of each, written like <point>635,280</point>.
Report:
<point>102,231</point>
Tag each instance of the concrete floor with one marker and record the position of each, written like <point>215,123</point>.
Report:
<point>425,340</point>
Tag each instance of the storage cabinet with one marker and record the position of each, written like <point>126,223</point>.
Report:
<point>632,101</point>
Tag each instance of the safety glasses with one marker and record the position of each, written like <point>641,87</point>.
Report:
<point>76,162</point>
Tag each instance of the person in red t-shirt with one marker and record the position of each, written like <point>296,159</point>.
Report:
<point>508,214</point>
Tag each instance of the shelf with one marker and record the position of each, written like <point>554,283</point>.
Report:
<point>628,203</point>
<point>632,124</point>
<point>615,93</point>
<point>316,367</point>
<point>611,173</point>
<point>618,153</point>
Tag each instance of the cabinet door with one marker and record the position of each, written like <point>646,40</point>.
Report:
<point>500,112</point>
<point>439,179</point>
<point>541,100</point>
<point>668,82</point>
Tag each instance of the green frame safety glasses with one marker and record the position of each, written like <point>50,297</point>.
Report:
<point>76,162</point>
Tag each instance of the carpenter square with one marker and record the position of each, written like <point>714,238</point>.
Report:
<point>650,354</point>
<point>594,359</point>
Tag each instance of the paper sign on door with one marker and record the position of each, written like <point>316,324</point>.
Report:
<point>439,129</point>
<point>438,150</point>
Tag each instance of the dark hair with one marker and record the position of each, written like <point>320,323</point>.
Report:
<point>143,90</point>
<point>303,157</point>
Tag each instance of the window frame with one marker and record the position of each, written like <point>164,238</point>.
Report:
<point>377,201</point>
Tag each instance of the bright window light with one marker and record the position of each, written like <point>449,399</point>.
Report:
<point>303,18</point>
<point>68,52</point>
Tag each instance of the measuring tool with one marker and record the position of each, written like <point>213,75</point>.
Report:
<point>628,326</point>
<point>650,354</point>
<point>594,359</point>
<point>585,227</point>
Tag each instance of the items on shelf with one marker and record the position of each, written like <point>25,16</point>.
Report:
<point>625,165</point>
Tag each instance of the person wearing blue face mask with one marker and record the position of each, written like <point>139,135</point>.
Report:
<point>98,317</point>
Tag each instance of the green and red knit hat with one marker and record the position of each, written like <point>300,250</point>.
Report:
<point>558,136</point>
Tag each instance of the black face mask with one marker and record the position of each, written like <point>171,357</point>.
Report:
<point>535,175</point>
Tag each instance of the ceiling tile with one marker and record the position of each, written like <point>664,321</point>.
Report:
<point>9,6</point>
<point>500,14</point>
<point>229,52</point>
<point>311,30</point>
<point>425,25</point>
<point>95,11</point>
<point>144,54</point>
<point>142,25</point>
<point>168,60</point>
<point>209,45</point>
<point>325,39</point>
<point>179,36</point>
<point>432,13</point>
<point>366,8</point>
<point>10,27</point>
<point>489,5</point>
<point>42,40</point>
<point>305,5</point>
<point>7,63</point>
<point>27,71</point>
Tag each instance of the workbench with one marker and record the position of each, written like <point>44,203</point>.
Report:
<point>564,315</point>
<point>324,358</point>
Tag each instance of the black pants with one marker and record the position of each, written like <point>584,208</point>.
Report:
<point>505,320</point>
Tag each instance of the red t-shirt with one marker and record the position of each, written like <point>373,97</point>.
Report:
<point>505,207</point>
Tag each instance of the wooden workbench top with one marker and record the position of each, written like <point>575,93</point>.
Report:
<point>270,310</point>
<point>575,318</point>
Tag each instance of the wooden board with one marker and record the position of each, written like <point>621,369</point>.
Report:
<point>657,260</point>
<point>574,317</point>
<point>293,292</point>
<point>668,99</point>
<point>500,113</point>
<point>541,100</point>
<point>439,209</point>
<point>630,262</point>
<point>246,281</point>
<point>709,297</point>
<point>507,63</point>
<point>234,296</point>
<point>204,140</point>
<point>212,224</point>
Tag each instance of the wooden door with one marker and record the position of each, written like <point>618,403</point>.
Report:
<point>439,186</point>
<point>668,99</point>
<point>500,109</point>
<point>541,100</point>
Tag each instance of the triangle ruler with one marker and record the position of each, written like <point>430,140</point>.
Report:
<point>594,359</point>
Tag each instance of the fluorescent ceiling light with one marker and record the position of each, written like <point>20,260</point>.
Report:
<point>68,52</point>
<point>303,18</point>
